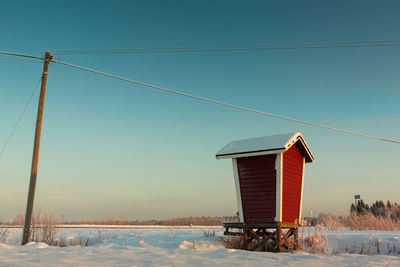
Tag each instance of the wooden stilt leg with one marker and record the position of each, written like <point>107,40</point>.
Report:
<point>246,240</point>
<point>296,238</point>
<point>245,236</point>
<point>278,239</point>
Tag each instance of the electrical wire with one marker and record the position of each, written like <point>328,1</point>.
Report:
<point>225,104</point>
<point>332,45</point>
<point>19,118</point>
<point>19,60</point>
<point>232,49</point>
<point>19,55</point>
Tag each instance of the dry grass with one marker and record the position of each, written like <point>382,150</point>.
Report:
<point>71,242</point>
<point>368,221</point>
<point>18,219</point>
<point>43,228</point>
<point>3,234</point>
<point>356,221</point>
<point>233,242</point>
<point>333,222</point>
<point>313,243</point>
<point>209,233</point>
<point>82,241</point>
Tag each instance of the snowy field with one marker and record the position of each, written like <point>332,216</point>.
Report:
<point>172,246</point>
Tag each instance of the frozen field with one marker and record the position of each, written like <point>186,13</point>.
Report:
<point>175,247</point>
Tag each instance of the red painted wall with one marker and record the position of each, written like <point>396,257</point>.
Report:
<point>257,179</point>
<point>292,170</point>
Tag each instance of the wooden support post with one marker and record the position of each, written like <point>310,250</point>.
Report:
<point>286,243</point>
<point>278,239</point>
<point>248,239</point>
<point>245,236</point>
<point>226,231</point>
<point>36,146</point>
<point>254,234</point>
<point>263,243</point>
<point>296,238</point>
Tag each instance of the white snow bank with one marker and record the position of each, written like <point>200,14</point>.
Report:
<point>363,242</point>
<point>186,244</point>
<point>5,246</point>
<point>161,247</point>
<point>37,245</point>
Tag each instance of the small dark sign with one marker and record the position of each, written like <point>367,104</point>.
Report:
<point>357,196</point>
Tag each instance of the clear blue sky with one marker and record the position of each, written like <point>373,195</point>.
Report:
<point>110,147</point>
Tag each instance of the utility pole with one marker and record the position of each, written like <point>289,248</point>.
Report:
<point>36,146</point>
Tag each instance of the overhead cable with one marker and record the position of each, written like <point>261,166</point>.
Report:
<point>19,55</point>
<point>233,49</point>
<point>224,104</point>
<point>19,118</point>
<point>19,60</point>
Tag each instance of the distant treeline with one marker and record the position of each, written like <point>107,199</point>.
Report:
<point>185,221</point>
<point>378,209</point>
<point>200,220</point>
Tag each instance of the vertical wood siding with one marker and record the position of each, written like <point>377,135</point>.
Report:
<point>257,179</point>
<point>292,178</point>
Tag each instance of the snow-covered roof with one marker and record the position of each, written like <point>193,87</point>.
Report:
<point>265,145</point>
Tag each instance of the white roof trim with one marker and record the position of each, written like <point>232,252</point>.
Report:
<point>251,154</point>
<point>264,146</point>
<point>298,137</point>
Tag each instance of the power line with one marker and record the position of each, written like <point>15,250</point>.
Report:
<point>215,49</point>
<point>232,49</point>
<point>224,104</point>
<point>332,45</point>
<point>19,55</point>
<point>19,60</point>
<point>19,118</point>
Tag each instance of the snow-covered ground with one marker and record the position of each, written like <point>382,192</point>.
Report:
<point>173,246</point>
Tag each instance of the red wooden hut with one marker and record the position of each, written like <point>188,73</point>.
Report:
<point>269,178</point>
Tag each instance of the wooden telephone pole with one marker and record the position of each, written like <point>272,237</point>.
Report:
<point>36,146</point>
